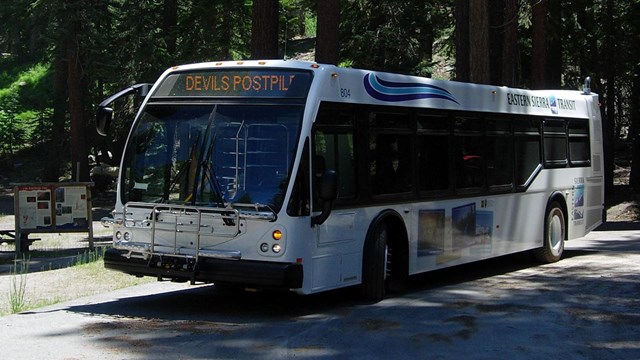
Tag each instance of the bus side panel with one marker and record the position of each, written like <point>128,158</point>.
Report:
<point>466,230</point>
<point>595,182</point>
<point>337,253</point>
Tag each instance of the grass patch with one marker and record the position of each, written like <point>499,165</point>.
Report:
<point>90,256</point>
<point>17,291</point>
<point>55,286</point>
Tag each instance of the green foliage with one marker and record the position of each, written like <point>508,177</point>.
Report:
<point>122,42</point>
<point>392,36</point>
<point>25,108</point>
<point>297,20</point>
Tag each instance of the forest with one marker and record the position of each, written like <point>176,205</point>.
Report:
<point>59,59</point>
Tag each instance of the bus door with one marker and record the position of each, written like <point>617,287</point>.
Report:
<point>337,258</point>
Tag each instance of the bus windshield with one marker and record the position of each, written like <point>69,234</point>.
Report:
<point>211,155</point>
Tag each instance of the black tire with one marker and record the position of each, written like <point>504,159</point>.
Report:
<point>374,264</point>
<point>555,231</point>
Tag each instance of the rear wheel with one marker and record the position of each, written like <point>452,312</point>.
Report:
<point>554,235</point>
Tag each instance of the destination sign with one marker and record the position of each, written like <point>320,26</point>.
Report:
<point>237,83</point>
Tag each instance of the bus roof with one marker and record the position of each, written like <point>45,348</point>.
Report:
<point>332,83</point>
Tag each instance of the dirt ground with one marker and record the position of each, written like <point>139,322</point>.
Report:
<point>625,204</point>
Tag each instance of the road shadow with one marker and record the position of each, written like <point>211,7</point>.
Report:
<point>619,226</point>
<point>210,303</point>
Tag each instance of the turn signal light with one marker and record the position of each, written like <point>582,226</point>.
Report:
<point>277,235</point>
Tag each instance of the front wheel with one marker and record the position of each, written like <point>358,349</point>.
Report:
<point>374,267</point>
<point>554,235</point>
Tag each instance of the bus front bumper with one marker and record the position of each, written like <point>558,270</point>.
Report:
<point>250,273</point>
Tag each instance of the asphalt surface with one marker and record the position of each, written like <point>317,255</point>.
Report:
<point>586,306</point>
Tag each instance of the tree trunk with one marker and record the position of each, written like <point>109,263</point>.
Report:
<point>427,45</point>
<point>634,129</point>
<point>327,43</point>
<point>55,155</point>
<point>554,32</point>
<point>479,41</point>
<point>170,22</point>
<point>496,44</point>
<point>539,45</point>
<point>79,161</point>
<point>610,100</point>
<point>510,39</point>
<point>462,40</point>
<point>264,30</point>
<point>226,27</point>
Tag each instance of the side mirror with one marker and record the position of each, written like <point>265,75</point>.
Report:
<point>103,120</point>
<point>328,193</point>
<point>105,113</point>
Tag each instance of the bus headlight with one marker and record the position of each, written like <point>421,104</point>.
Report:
<point>276,248</point>
<point>118,235</point>
<point>127,236</point>
<point>273,242</point>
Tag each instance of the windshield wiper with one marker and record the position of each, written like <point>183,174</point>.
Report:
<point>184,169</point>
<point>205,169</point>
<point>209,174</point>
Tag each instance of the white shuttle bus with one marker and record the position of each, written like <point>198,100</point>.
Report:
<point>309,177</point>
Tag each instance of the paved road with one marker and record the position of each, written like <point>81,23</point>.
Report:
<point>585,307</point>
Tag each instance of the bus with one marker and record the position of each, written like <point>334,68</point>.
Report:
<point>306,177</point>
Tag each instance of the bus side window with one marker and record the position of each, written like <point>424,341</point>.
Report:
<point>392,163</point>
<point>526,149</point>
<point>555,143</point>
<point>299,200</point>
<point>434,162</point>
<point>334,149</point>
<point>433,152</point>
<point>579,144</point>
<point>469,158</point>
<point>499,161</point>
<point>499,154</point>
<point>470,169</point>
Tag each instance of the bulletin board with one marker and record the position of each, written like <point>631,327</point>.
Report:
<point>53,207</point>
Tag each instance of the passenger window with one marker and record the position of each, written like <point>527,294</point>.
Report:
<point>469,162</point>
<point>390,163</point>
<point>335,152</point>
<point>299,199</point>
<point>527,153</point>
<point>526,148</point>
<point>433,157</point>
<point>579,145</point>
<point>555,143</point>
<point>334,149</point>
<point>433,152</point>
<point>499,161</point>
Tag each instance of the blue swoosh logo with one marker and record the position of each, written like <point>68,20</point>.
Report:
<point>401,91</point>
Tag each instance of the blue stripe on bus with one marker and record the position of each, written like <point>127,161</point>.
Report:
<point>398,91</point>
